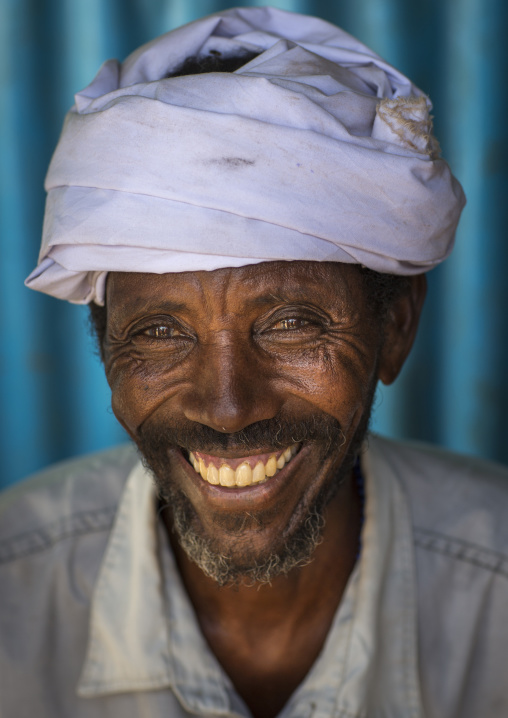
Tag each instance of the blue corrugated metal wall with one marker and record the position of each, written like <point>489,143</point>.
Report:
<point>454,389</point>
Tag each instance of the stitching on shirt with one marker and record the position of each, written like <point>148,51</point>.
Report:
<point>345,713</point>
<point>93,689</point>
<point>40,539</point>
<point>462,550</point>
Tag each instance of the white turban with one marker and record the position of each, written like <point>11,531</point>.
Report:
<point>316,149</point>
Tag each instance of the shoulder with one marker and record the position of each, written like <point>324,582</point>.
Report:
<point>457,507</point>
<point>54,530</point>
<point>70,498</point>
<point>457,503</point>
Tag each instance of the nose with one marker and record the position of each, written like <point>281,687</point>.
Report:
<point>230,387</point>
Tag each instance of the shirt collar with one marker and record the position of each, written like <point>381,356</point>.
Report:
<point>369,661</point>
<point>166,649</point>
<point>128,636</point>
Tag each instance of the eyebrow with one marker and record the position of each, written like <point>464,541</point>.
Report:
<point>265,299</point>
<point>163,307</point>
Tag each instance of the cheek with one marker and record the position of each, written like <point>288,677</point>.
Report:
<point>336,380</point>
<point>341,398</point>
<point>130,404</point>
<point>137,390</point>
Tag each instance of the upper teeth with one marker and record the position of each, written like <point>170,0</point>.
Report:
<point>244,474</point>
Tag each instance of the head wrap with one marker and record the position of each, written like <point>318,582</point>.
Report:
<point>316,149</point>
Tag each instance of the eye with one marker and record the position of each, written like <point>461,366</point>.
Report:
<point>161,331</point>
<point>289,323</point>
<point>158,330</point>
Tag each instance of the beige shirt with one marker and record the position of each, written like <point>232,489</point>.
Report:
<point>94,620</point>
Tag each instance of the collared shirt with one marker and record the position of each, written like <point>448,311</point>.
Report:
<point>94,619</point>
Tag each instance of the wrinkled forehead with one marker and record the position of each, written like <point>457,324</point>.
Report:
<point>320,283</point>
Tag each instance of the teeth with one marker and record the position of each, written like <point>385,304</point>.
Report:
<point>226,475</point>
<point>244,475</point>
<point>259,473</point>
<point>271,466</point>
<point>212,475</point>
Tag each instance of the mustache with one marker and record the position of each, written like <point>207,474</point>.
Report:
<point>277,433</point>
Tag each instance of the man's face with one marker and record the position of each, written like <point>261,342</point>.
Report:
<point>265,373</point>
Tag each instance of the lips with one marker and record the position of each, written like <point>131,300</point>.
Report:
<point>243,471</point>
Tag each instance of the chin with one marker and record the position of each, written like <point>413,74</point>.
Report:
<point>242,560</point>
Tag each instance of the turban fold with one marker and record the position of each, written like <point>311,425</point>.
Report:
<point>316,149</point>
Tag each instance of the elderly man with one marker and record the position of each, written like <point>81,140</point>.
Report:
<point>249,203</point>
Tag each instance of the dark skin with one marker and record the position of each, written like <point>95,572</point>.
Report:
<point>230,348</point>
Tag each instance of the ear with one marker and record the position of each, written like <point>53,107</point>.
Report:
<point>401,326</point>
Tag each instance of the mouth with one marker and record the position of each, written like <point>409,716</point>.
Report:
<point>240,472</point>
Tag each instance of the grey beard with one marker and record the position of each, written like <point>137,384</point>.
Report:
<point>297,550</point>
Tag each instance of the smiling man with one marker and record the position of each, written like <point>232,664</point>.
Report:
<point>249,204</point>
<point>249,404</point>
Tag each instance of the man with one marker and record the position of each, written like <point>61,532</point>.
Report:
<point>249,204</point>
